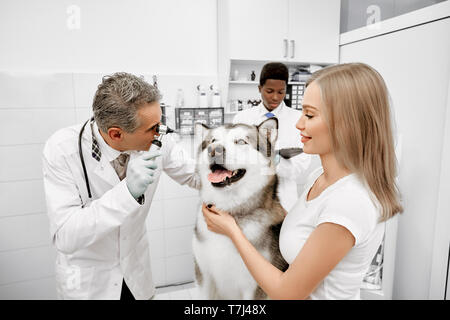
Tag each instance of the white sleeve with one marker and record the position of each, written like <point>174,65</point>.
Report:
<point>237,118</point>
<point>72,226</point>
<point>179,165</point>
<point>354,212</point>
<point>294,167</point>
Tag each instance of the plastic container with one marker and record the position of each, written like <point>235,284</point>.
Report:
<point>202,98</point>
<point>180,99</point>
<point>215,103</point>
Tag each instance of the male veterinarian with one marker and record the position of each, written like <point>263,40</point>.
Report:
<point>99,182</point>
<point>272,86</point>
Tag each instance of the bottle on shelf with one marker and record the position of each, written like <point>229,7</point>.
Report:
<point>236,75</point>
<point>180,99</point>
<point>202,99</point>
<point>240,105</point>
<point>215,96</point>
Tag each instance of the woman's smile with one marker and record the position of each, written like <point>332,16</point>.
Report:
<point>304,138</point>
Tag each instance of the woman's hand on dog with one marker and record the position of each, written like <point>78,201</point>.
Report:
<point>219,221</point>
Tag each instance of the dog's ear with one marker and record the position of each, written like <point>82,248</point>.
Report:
<point>267,136</point>
<point>200,130</point>
<point>268,129</point>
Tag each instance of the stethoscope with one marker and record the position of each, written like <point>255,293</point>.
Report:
<point>156,144</point>
<point>80,150</point>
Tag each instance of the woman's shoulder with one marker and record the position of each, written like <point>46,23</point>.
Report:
<point>348,192</point>
<point>353,199</point>
<point>352,206</point>
<point>352,192</point>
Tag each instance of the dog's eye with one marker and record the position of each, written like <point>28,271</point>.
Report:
<point>240,141</point>
<point>213,140</point>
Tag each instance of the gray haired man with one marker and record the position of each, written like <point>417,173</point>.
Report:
<point>99,180</point>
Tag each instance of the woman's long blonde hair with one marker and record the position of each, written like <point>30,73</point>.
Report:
<point>358,115</point>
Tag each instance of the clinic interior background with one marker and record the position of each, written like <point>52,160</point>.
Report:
<point>49,73</point>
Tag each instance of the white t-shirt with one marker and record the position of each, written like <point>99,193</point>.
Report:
<point>347,202</point>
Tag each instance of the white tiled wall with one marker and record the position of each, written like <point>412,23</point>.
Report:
<point>171,223</point>
<point>170,227</point>
<point>32,107</point>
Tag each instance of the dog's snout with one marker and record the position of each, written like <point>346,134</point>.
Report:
<point>216,153</point>
<point>217,150</point>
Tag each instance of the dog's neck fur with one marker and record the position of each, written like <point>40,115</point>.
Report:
<point>265,199</point>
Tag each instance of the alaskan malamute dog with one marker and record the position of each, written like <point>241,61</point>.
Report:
<point>236,166</point>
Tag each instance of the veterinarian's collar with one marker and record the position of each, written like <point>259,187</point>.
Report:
<point>277,111</point>
<point>106,150</point>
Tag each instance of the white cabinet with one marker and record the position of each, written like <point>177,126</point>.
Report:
<point>421,248</point>
<point>282,30</point>
<point>254,32</point>
<point>258,29</point>
<point>313,31</point>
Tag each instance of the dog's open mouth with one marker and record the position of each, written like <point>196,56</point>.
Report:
<point>221,177</point>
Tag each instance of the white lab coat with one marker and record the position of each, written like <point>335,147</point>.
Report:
<point>289,170</point>
<point>103,240</point>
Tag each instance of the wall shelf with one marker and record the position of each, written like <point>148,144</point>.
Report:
<point>256,82</point>
<point>243,82</point>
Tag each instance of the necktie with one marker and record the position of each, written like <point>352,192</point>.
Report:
<point>96,153</point>
<point>269,115</point>
<point>120,165</point>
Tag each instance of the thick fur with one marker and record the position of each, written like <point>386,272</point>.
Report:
<point>252,201</point>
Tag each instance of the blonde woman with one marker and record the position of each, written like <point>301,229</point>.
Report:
<point>333,231</point>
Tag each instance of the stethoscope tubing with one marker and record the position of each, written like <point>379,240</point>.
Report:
<point>80,150</point>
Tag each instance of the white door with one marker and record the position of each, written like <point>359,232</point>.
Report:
<point>447,294</point>
<point>414,63</point>
<point>314,31</point>
<point>258,29</point>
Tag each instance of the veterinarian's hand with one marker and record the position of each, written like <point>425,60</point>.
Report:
<point>219,221</point>
<point>140,173</point>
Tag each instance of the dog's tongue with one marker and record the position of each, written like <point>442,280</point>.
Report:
<point>219,175</point>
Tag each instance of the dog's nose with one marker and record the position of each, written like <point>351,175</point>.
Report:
<point>216,153</point>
